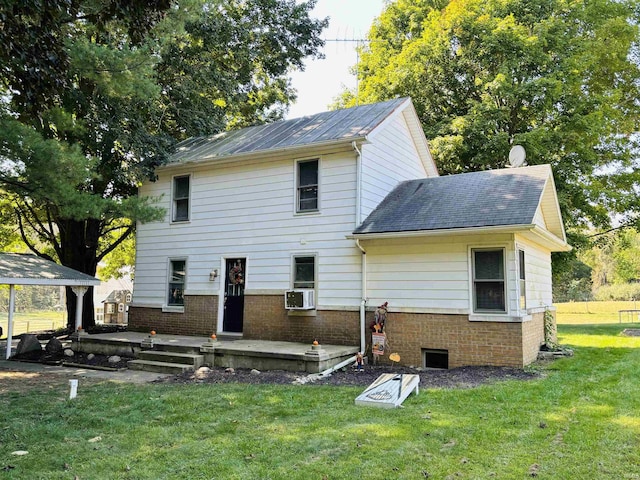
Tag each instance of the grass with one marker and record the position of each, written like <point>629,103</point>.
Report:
<point>580,419</point>
<point>24,322</point>
<point>574,313</point>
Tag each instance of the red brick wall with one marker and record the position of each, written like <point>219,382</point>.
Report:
<point>265,318</point>
<point>533,337</point>
<point>468,343</point>
<point>199,317</point>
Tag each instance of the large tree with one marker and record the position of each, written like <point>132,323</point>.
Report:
<point>94,93</point>
<point>560,77</point>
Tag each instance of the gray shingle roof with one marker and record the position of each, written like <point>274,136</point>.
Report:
<point>480,199</point>
<point>346,124</point>
<point>25,269</point>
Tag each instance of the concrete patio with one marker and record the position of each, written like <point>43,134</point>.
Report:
<point>174,353</point>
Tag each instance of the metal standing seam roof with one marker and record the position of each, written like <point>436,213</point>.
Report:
<point>27,269</point>
<point>479,199</point>
<point>345,124</point>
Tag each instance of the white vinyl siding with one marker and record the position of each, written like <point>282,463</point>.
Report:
<point>538,273</point>
<point>390,159</point>
<point>245,210</point>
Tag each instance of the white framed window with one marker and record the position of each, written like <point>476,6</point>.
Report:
<point>120,307</point>
<point>489,285</point>
<point>307,191</point>
<point>522,280</point>
<point>128,298</point>
<point>176,284</point>
<point>181,194</point>
<point>304,271</point>
<point>110,308</point>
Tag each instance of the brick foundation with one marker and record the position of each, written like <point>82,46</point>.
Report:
<point>510,344</point>
<point>199,317</point>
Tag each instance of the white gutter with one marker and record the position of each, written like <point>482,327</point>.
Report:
<point>363,302</point>
<point>444,232</point>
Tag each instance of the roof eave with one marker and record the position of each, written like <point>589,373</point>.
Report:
<point>317,147</point>
<point>443,232</point>
<point>52,282</point>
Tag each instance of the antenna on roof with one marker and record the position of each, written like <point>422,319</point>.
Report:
<point>517,157</point>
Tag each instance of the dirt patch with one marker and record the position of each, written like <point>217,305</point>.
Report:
<point>464,377</point>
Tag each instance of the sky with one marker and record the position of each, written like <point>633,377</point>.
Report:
<point>324,79</point>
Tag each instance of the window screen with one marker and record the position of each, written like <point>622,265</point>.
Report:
<point>304,272</point>
<point>308,185</point>
<point>489,281</point>
<point>181,198</point>
<point>177,277</point>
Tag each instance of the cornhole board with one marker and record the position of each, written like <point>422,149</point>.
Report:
<point>389,390</point>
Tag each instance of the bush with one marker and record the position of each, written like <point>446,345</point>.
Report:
<point>622,291</point>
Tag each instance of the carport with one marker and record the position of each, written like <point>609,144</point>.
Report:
<point>27,269</point>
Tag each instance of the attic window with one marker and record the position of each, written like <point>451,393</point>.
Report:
<point>307,186</point>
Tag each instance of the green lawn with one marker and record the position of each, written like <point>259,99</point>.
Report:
<point>572,313</point>
<point>580,420</point>
<point>33,321</point>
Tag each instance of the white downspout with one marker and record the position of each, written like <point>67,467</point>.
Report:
<point>12,306</point>
<point>363,302</point>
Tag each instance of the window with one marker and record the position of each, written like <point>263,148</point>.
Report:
<point>304,272</point>
<point>521,281</point>
<point>180,199</point>
<point>128,298</point>
<point>307,186</point>
<point>110,308</point>
<point>176,282</point>
<point>488,281</point>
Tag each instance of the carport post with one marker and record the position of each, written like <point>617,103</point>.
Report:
<point>12,304</point>
<point>79,291</point>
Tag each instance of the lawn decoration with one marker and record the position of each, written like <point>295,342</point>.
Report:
<point>389,390</point>
<point>380,317</point>
<point>394,357</point>
<point>359,361</point>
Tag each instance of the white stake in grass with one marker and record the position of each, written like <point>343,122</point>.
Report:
<point>73,393</point>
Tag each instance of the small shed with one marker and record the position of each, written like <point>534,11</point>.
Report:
<point>116,306</point>
<point>27,269</point>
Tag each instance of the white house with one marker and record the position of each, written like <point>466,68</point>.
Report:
<point>298,229</point>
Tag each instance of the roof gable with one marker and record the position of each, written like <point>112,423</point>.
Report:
<point>491,198</point>
<point>337,126</point>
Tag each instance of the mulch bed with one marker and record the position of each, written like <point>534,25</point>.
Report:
<point>82,359</point>
<point>463,377</point>
<point>631,332</point>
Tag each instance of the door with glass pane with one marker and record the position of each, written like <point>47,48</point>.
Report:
<point>234,295</point>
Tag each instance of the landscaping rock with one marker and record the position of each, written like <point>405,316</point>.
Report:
<point>202,372</point>
<point>229,370</point>
<point>69,353</point>
<point>255,372</point>
<point>54,347</point>
<point>114,359</point>
<point>91,356</point>
<point>28,343</point>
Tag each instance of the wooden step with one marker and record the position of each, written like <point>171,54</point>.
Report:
<point>192,359</point>
<point>159,367</point>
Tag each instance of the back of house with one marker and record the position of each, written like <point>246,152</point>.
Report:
<point>297,230</point>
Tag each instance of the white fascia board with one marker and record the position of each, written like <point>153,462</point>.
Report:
<point>54,282</point>
<point>550,241</point>
<point>444,232</point>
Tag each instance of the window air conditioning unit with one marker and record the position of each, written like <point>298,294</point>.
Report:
<point>299,300</point>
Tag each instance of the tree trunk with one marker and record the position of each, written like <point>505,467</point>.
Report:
<point>79,250</point>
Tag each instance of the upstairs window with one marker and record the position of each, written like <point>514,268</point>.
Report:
<point>489,281</point>
<point>304,272</point>
<point>180,211</point>
<point>177,276</point>
<point>307,186</point>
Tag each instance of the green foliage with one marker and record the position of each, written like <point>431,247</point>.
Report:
<point>620,291</point>
<point>95,93</point>
<point>558,77</point>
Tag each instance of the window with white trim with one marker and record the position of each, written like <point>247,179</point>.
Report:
<point>304,271</point>
<point>489,292</point>
<point>181,189</point>
<point>307,185</point>
<point>177,277</point>
<point>522,284</point>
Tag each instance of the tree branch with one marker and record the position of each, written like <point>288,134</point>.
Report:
<point>113,246</point>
